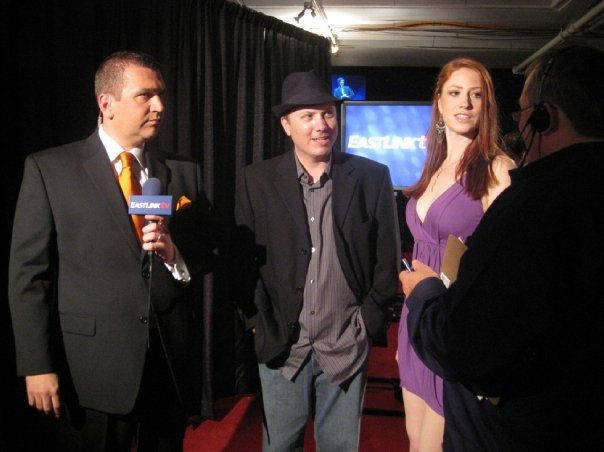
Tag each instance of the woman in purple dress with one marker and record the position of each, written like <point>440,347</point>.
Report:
<point>466,168</point>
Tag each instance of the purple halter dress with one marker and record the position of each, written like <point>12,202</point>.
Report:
<point>453,212</point>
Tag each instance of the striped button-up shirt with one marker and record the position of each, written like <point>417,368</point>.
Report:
<point>331,326</point>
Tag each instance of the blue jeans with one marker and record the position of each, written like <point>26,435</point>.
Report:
<point>288,404</point>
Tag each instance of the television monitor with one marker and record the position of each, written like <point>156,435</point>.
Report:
<point>392,133</point>
<point>353,87</point>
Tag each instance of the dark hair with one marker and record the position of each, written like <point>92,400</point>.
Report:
<point>479,155</point>
<point>109,77</point>
<point>571,79</point>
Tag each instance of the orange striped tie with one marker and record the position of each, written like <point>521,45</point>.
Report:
<point>131,186</point>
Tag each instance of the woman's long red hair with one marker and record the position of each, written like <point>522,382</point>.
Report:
<point>475,168</point>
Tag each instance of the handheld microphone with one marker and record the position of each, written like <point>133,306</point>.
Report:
<point>150,202</point>
<point>152,187</point>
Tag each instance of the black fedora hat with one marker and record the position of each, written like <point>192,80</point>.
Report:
<point>302,89</point>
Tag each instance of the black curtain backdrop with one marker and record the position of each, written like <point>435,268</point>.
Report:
<point>223,65</point>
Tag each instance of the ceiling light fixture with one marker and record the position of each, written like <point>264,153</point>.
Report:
<point>307,6</point>
<point>317,10</point>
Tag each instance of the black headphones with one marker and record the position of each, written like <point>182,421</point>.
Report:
<point>540,120</point>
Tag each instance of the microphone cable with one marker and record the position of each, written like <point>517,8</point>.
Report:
<point>519,143</point>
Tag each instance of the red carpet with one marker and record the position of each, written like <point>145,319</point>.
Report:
<point>382,426</point>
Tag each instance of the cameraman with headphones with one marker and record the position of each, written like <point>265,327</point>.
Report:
<point>522,327</point>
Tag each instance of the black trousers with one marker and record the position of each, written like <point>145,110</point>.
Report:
<point>156,424</point>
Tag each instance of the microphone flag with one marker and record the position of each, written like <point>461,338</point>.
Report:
<point>150,202</point>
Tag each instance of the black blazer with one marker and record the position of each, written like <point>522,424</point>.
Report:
<point>523,321</point>
<point>73,240</point>
<point>271,220</point>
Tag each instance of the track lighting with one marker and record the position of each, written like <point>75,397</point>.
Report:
<point>319,19</point>
<point>307,6</point>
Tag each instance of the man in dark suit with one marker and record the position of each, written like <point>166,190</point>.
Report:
<point>122,304</point>
<point>343,91</point>
<point>322,252</point>
<point>518,336</point>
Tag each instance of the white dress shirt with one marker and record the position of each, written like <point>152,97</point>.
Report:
<point>179,268</point>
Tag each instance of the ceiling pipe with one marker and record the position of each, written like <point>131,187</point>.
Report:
<point>568,32</point>
<point>327,28</point>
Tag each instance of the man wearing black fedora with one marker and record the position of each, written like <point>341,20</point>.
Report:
<point>321,259</point>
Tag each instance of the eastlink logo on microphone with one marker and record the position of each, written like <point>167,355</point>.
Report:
<point>150,205</point>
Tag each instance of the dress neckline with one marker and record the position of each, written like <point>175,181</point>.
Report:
<point>434,201</point>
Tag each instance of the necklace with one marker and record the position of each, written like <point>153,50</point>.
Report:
<point>437,174</point>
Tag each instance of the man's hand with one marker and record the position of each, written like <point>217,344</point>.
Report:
<point>410,279</point>
<point>43,393</point>
<point>156,238</point>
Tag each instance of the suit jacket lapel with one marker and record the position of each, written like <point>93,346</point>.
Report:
<point>288,188</point>
<point>345,183</point>
<point>98,168</point>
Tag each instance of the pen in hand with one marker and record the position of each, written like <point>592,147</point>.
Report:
<point>406,264</point>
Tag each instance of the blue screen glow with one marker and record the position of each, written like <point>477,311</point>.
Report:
<point>392,133</point>
<point>357,84</point>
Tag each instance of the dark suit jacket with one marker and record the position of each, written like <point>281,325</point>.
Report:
<point>74,251</point>
<point>343,92</point>
<point>271,215</point>
<point>523,321</point>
